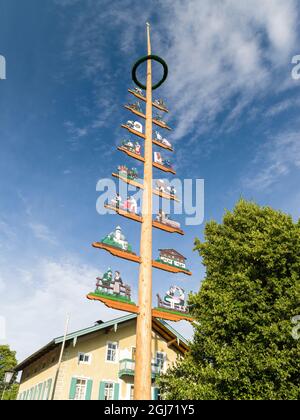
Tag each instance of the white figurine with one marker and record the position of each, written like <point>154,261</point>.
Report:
<point>135,125</point>
<point>162,140</point>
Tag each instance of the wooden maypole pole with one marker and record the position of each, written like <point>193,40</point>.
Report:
<point>142,378</point>
<point>115,243</point>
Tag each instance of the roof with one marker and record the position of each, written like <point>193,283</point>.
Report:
<point>172,251</point>
<point>158,325</point>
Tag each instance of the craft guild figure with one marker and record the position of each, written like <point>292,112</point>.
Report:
<point>168,164</point>
<point>134,148</point>
<point>117,283</point>
<point>161,186</point>
<point>127,144</point>
<point>173,258</point>
<point>159,118</point>
<point>135,125</point>
<point>161,139</point>
<point>174,299</point>
<point>165,219</point>
<point>136,106</point>
<point>129,205</point>
<point>116,202</point>
<point>124,172</point>
<point>159,159</point>
<point>160,103</point>
<point>133,205</point>
<point>105,281</point>
<point>113,286</point>
<point>137,148</point>
<point>138,91</point>
<point>117,240</point>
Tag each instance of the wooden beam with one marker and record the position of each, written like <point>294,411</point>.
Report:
<point>142,377</point>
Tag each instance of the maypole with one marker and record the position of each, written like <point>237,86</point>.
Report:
<point>111,290</point>
<point>142,378</point>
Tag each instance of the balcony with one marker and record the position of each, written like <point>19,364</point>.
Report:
<point>127,368</point>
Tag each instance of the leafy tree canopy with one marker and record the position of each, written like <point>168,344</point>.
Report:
<point>8,362</point>
<point>243,346</point>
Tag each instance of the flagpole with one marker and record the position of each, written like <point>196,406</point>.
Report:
<point>142,378</point>
<point>60,357</point>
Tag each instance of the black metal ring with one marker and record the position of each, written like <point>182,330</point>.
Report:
<point>142,60</point>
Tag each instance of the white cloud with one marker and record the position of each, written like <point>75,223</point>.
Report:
<point>42,232</point>
<point>35,310</point>
<point>2,285</point>
<point>38,298</point>
<point>283,106</point>
<point>217,52</point>
<point>7,231</point>
<point>277,158</point>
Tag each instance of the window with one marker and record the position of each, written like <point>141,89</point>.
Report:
<point>109,391</point>
<point>39,391</point>
<point>45,391</point>
<point>131,397</point>
<point>111,355</point>
<point>84,358</point>
<point>80,390</point>
<point>160,359</point>
<point>156,394</point>
<point>31,394</point>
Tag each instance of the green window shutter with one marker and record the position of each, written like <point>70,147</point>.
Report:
<point>88,392</point>
<point>101,390</point>
<point>116,391</point>
<point>39,391</point>
<point>155,393</point>
<point>72,389</point>
<point>43,390</point>
<point>35,392</point>
<point>49,388</point>
<point>27,395</point>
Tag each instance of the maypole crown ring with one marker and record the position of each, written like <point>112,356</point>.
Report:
<point>142,60</point>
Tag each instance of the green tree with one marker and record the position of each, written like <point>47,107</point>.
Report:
<point>8,362</point>
<point>243,346</point>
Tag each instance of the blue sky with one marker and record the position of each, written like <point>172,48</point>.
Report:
<point>234,109</point>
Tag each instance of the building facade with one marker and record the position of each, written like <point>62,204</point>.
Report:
<point>98,362</point>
